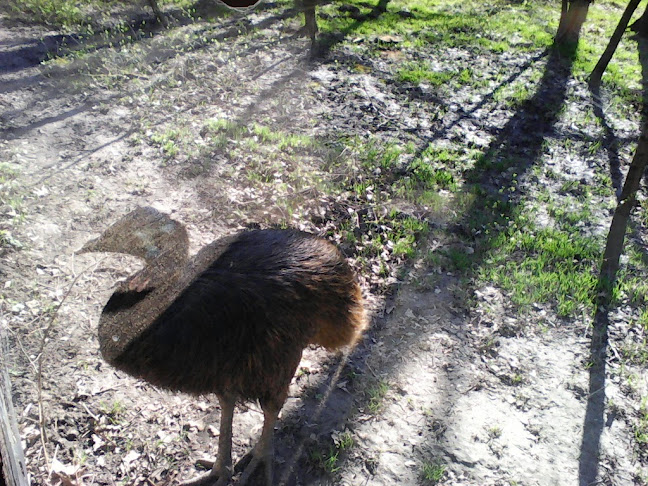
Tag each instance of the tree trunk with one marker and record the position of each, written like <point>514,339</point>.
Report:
<point>310,21</point>
<point>621,216</point>
<point>601,65</point>
<point>572,16</point>
<point>564,8</point>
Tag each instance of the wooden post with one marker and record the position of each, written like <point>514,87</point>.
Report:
<point>12,461</point>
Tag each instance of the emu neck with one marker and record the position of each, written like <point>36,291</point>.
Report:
<point>142,298</point>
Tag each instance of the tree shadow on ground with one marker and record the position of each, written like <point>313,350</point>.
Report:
<point>516,148</point>
<point>595,421</point>
<point>610,140</point>
<point>232,28</point>
<point>134,28</point>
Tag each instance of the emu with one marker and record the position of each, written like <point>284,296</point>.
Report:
<point>233,320</point>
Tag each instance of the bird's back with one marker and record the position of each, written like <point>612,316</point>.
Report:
<point>241,323</point>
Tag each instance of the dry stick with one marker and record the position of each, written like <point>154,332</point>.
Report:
<point>601,65</point>
<point>41,414</point>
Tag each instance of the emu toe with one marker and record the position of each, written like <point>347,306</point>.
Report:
<point>250,463</point>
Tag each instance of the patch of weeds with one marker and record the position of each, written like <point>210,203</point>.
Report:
<point>494,432</point>
<point>643,212</point>
<point>641,427</point>
<point>539,265</point>
<point>517,379</point>
<point>381,161</point>
<point>513,96</point>
<point>343,440</point>
<point>459,259</point>
<point>327,461</point>
<point>635,288</point>
<point>63,13</point>
<point>280,139</point>
<point>574,188</point>
<point>635,353</point>
<point>221,126</point>
<point>432,472</point>
<point>425,176</point>
<point>418,72</point>
<point>643,319</point>
<point>376,395</point>
<point>488,346</point>
<point>571,217</point>
<point>168,141</point>
<point>222,131</point>
<point>113,411</point>
<point>493,161</point>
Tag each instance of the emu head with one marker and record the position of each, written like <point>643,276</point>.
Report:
<point>145,233</point>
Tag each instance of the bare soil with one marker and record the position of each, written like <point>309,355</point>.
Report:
<point>493,397</point>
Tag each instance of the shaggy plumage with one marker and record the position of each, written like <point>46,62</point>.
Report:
<point>232,321</point>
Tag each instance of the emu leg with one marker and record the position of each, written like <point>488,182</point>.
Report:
<point>263,451</point>
<point>221,473</point>
<point>223,467</point>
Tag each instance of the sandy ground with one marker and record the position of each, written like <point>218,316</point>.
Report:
<point>490,397</point>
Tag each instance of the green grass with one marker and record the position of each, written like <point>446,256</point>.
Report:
<point>418,72</point>
<point>59,13</point>
<point>543,265</point>
<point>376,395</point>
<point>327,461</point>
<point>491,27</point>
<point>635,352</point>
<point>432,472</point>
<point>167,141</point>
<point>344,441</point>
<point>282,140</point>
<point>641,427</point>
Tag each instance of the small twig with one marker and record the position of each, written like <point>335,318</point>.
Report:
<point>90,413</point>
<point>372,371</point>
<point>48,464</point>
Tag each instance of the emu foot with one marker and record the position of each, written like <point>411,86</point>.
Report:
<point>249,463</point>
<point>243,462</point>
<point>212,478</point>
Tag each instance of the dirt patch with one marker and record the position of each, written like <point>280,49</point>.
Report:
<point>482,397</point>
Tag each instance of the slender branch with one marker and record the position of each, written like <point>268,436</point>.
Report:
<point>601,65</point>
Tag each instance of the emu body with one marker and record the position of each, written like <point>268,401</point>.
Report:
<point>232,321</point>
